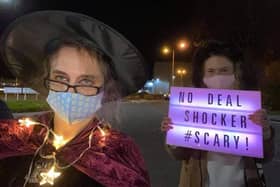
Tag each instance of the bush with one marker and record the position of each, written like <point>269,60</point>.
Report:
<point>144,95</point>
<point>271,93</point>
<point>27,105</point>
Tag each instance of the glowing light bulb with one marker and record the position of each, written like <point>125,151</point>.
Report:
<point>58,141</point>
<point>103,133</point>
<point>26,122</point>
<point>48,177</point>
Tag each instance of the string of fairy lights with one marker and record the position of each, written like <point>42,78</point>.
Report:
<point>58,141</point>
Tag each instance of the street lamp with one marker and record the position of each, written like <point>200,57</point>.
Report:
<point>183,44</point>
<point>181,73</point>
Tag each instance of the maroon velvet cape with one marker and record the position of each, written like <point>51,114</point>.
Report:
<point>117,164</point>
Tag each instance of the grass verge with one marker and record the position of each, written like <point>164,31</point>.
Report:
<point>27,105</point>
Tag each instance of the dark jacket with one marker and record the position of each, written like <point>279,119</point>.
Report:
<point>5,112</point>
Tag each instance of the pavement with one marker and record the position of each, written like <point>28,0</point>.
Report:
<point>272,169</point>
<point>274,118</point>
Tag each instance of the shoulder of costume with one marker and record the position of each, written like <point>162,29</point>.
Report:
<point>44,117</point>
<point>115,136</point>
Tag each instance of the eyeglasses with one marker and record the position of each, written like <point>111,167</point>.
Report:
<point>64,87</point>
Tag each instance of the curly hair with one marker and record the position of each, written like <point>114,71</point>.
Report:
<point>216,48</point>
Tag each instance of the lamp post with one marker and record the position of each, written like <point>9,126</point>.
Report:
<point>173,63</point>
<point>183,44</point>
<point>181,73</point>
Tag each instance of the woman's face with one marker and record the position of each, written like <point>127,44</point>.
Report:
<point>76,67</point>
<point>218,73</point>
<point>218,65</point>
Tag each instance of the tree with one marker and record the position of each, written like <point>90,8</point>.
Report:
<point>271,85</point>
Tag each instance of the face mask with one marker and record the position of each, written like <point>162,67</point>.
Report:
<point>219,81</point>
<point>73,107</point>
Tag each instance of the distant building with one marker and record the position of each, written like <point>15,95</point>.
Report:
<point>162,76</point>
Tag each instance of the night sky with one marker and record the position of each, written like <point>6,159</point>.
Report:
<point>149,24</point>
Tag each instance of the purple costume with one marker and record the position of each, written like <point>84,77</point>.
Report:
<point>118,163</point>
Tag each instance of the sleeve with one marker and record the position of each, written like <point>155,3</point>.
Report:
<point>181,153</point>
<point>178,153</point>
<point>120,164</point>
<point>15,140</point>
<point>268,145</point>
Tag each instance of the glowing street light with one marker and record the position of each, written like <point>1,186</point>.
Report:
<point>182,45</point>
<point>165,50</point>
<point>181,72</point>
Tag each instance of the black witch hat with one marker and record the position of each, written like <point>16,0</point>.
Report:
<point>24,41</point>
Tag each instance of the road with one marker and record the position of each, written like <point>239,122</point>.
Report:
<point>142,122</point>
<point>272,169</point>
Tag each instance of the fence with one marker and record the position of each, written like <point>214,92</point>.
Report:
<point>19,91</point>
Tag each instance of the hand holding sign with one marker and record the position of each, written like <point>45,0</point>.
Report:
<point>216,120</point>
<point>259,117</point>
<point>166,124</point>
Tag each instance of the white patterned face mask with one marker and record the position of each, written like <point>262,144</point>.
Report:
<point>73,107</point>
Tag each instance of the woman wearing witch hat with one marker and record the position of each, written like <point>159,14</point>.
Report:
<point>80,64</point>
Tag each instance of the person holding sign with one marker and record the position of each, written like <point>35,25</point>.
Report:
<point>80,65</point>
<point>218,65</point>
